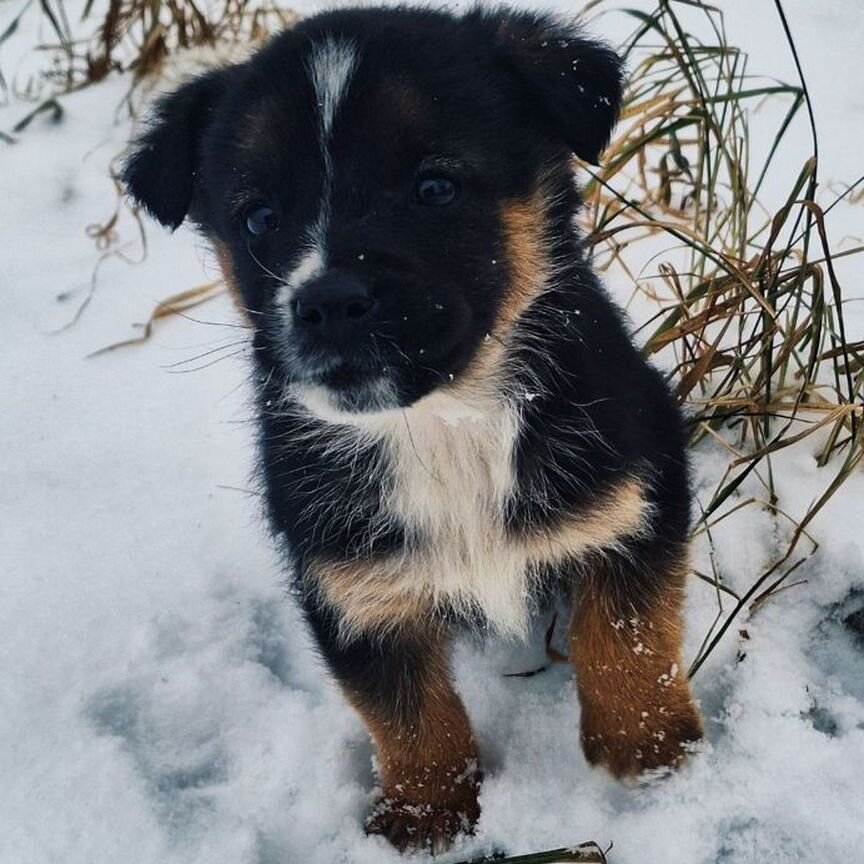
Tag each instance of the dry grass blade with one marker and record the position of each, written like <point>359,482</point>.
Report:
<point>584,853</point>
<point>51,106</point>
<point>12,26</point>
<point>175,305</point>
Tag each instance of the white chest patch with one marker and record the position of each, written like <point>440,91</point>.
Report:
<point>449,472</point>
<point>452,473</point>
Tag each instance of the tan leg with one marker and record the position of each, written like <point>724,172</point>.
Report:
<point>637,710</point>
<point>427,753</point>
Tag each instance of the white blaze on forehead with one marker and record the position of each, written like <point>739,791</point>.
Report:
<point>330,66</point>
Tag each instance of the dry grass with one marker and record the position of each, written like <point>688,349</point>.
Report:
<point>750,314</point>
<point>134,37</point>
<point>137,35</point>
<point>749,307</point>
<point>584,853</point>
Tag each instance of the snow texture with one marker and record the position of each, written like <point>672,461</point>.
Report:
<point>160,701</point>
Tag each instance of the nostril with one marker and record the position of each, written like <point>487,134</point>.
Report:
<point>307,312</point>
<point>332,304</point>
<point>358,308</point>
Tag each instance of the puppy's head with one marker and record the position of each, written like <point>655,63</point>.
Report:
<point>379,184</point>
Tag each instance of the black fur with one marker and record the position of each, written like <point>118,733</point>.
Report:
<point>497,101</point>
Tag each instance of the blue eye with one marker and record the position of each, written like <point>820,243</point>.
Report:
<point>436,191</point>
<point>260,219</point>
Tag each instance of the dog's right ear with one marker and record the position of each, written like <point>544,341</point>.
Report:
<point>160,172</point>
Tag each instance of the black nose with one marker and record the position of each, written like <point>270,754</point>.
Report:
<point>333,304</point>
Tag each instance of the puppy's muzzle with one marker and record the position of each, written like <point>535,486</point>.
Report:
<point>333,310</point>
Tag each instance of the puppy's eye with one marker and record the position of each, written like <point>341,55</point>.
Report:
<point>436,191</point>
<point>260,219</point>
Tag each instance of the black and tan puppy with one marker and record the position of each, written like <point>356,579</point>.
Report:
<point>455,426</point>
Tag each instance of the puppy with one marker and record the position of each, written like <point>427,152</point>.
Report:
<point>455,427</point>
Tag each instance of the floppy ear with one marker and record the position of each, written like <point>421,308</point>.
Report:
<point>160,172</point>
<point>575,82</point>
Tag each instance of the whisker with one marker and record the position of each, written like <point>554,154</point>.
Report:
<point>237,353</point>
<point>265,269</point>
<point>200,346</point>
<point>205,354</point>
<point>210,323</point>
<point>231,392</point>
<point>396,348</point>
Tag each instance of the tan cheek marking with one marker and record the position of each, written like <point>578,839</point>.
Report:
<point>637,710</point>
<point>223,255</point>
<point>524,224</point>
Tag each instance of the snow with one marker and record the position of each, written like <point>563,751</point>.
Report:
<point>160,701</point>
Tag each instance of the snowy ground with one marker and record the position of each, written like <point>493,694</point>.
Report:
<point>159,701</point>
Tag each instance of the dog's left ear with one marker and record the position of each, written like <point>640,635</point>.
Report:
<point>575,82</point>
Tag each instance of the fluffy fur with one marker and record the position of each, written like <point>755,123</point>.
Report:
<point>455,425</point>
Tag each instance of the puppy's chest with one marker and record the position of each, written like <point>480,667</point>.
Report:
<point>443,475</point>
<point>444,479</point>
<point>448,476</point>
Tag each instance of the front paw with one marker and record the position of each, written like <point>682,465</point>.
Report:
<point>431,827</point>
<point>640,740</point>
